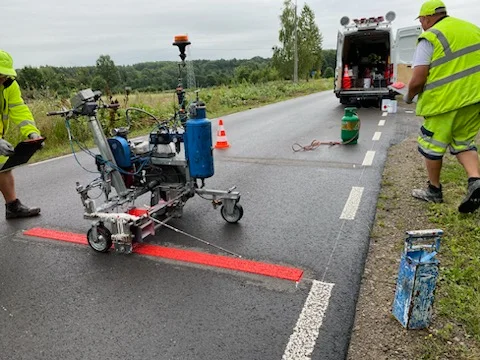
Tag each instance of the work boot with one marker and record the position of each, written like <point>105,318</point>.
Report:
<point>16,209</point>
<point>471,202</point>
<point>430,194</point>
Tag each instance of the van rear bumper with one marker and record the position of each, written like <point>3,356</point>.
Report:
<point>364,94</point>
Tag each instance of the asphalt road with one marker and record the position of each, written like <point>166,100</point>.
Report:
<point>309,210</point>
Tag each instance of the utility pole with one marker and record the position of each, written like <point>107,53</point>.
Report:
<point>295,48</point>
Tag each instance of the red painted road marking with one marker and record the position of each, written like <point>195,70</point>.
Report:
<point>57,235</point>
<point>196,257</point>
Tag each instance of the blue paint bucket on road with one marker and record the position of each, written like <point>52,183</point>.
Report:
<point>417,278</point>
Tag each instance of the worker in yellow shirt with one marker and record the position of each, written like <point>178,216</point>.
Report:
<point>13,110</point>
<point>446,78</point>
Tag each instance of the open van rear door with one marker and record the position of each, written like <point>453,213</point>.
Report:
<point>339,68</point>
<point>405,44</point>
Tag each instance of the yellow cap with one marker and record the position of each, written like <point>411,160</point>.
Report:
<point>432,7</point>
<point>6,64</point>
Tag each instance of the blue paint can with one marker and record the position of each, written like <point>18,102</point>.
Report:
<point>417,277</point>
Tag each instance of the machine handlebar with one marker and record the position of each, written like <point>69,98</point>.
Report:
<point>110,106</point>
<point>55,113</point>
<point>71,112</point>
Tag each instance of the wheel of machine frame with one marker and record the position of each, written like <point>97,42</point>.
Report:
<point>235,216</point>
<point>102,242</point>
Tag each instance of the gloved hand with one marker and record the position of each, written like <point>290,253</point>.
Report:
<point>6,149</point>
<point>34,136</point>
<point>409,101</point>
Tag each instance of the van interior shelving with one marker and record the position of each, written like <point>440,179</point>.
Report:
<point>370,58</point>
<point>367,56</point>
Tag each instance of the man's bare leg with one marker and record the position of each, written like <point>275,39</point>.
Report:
<point>434,168</point>
<point>14,208</point>
<point>469,161</point>
<point>7,186</point>
<point>433,192</point>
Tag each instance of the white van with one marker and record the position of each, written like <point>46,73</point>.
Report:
<point>369,59</point>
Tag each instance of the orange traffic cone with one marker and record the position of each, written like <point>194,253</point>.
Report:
<point>346,81</point>
<point>222,142</point>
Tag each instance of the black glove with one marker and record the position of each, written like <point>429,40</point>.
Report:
<point>6,149</point>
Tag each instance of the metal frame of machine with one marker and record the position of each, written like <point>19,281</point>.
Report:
<point>133,169</point>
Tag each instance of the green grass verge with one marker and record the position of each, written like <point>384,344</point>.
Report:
<point>458,290</point>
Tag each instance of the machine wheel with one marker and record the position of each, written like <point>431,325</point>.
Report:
<point>235,216</point>
<point>102,242</point>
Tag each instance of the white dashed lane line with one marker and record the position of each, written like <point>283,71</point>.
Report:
<point>385,114</point>
<point>368,160</point>
<point>352,204</point>
<point>302,342</point>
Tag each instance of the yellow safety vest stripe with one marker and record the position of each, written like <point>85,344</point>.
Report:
<point>452,78</point>
<point>15,105</point>
<point>454,55</point>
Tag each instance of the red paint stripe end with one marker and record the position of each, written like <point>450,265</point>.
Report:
<point>195,257</point>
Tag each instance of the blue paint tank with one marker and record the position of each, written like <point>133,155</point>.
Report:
<point>198,144</point>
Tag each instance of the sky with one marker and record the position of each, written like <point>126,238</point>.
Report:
<point>76,33</point>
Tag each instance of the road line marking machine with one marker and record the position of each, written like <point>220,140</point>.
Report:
<point>153,166</point>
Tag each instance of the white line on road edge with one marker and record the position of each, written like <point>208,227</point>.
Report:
<point>368,160</point>
<point>50,160</point>
<point>381,123</point>
<point>302,341</point>
<point>351,206</point>
<point>376,136</point>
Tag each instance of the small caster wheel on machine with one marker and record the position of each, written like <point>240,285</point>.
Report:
<point>99,238</point>
<point>233,215</point>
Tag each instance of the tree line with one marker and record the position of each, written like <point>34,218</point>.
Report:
<point>313,61</point>
<point>155,76</point>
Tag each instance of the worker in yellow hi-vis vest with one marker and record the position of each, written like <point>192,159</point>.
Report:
<point>446,78</point>
<point>13,110</point>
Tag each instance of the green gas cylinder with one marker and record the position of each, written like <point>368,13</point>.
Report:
<point>350,126</point>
